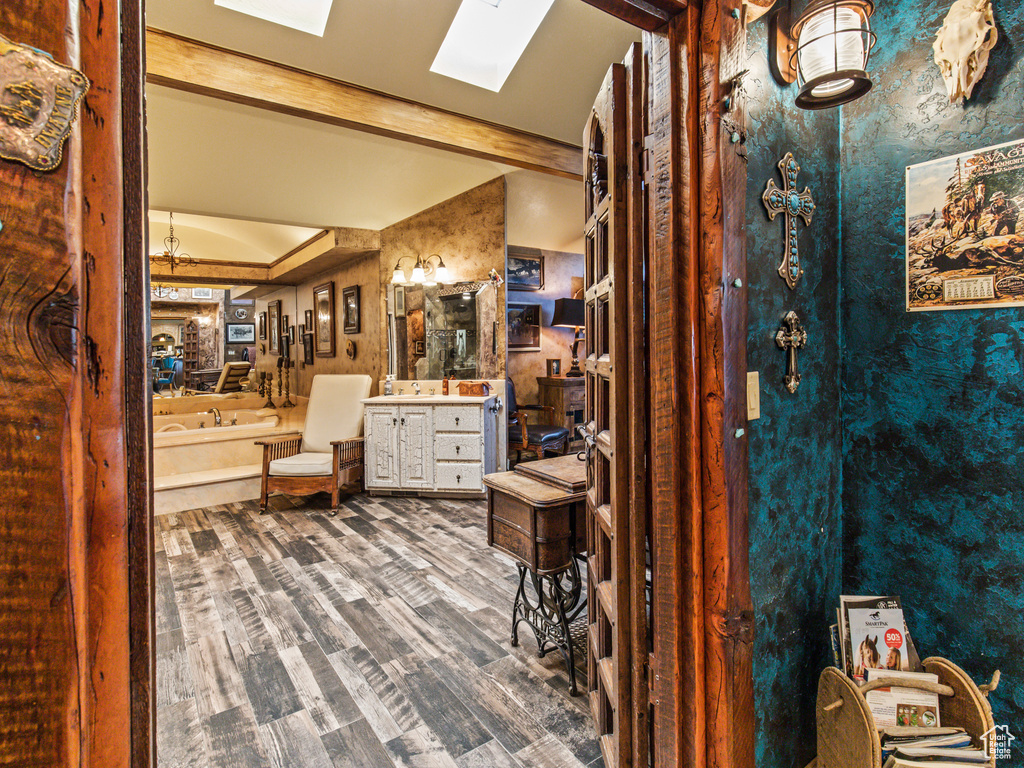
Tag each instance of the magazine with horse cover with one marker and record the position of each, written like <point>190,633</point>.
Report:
<point>880,639</point>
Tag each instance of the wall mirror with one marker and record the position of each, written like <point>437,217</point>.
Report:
<point>442,330</point>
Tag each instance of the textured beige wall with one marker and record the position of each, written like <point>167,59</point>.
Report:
<point>364,272</point>
<point>468,233</point>
<point>524,367</point>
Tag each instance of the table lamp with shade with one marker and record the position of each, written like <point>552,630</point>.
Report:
<point>569,313</point>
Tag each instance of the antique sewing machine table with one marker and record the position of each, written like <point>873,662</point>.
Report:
<point>535,514</point>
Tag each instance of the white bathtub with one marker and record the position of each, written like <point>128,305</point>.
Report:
<point>177,423</point>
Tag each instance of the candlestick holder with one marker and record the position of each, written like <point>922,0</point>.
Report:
<point>287,385</point>
<point>280,376</point>
<point>263,384</point>
<point>270,390</point>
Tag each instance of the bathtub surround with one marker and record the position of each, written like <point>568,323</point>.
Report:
<point>194,467</point>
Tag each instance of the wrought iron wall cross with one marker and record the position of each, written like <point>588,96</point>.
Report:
<point>791,337</point>
<point>787,200</point>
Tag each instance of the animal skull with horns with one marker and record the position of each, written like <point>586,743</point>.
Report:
<point>963,44</point>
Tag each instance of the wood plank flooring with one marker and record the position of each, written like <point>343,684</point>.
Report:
<point>375,639</point>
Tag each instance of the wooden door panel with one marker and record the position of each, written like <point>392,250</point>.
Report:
<point>607,412</point>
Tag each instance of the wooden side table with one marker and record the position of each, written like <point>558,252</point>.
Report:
<point>568,396</point>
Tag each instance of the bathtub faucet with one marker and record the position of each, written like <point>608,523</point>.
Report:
<point>216,416</point>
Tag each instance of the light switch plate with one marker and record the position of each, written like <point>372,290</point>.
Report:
<point>753,395</point>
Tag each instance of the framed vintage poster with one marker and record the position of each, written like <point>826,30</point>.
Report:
<point>962,246</point>
<point>202,293</point>
<point>523,327</point>
<point>323,329</point>
<point>350,308</point>
<point>241,333</point>
<point>525,267</point>
<point>274,326</point>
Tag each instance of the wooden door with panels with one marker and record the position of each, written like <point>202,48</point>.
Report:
<point>616,508</point>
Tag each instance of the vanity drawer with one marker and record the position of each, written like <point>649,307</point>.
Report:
<point>459,477</point>
<point>466,447</point>
<point>457,418</point>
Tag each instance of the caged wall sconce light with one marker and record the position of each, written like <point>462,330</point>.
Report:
<point>826,51</point>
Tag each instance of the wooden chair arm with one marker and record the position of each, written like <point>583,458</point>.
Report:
<point>521,419</point>
<point>548,409</point>
<point>280,447</point>
<point>348,453</point>
<point>280,439</point>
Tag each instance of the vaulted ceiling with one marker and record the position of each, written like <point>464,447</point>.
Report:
<point>212,157</point>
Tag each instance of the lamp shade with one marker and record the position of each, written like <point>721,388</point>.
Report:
<point>834,41</point>
<point>568,313</point>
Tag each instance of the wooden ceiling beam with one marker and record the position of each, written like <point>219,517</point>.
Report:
<point>189,65</point>
<point>646,14</point>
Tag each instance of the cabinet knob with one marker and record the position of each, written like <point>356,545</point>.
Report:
<point>458,448</point>
<point>394,421</point>
<point>456,421</point>
<point>458,478</point>
<point>403,421</point>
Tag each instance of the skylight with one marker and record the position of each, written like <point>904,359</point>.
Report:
<point>304,15</point>
<point>487,38</point>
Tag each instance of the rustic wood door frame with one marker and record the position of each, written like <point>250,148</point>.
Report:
<point>701,678</point>
<point>76,561</point>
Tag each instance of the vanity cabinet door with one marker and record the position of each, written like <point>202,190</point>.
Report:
<point>381,447</point>
<point>416,446</point>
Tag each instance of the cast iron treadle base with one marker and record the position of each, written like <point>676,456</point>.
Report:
<point>560,601</point>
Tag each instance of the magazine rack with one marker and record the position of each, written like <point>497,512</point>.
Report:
<point>847,735</point>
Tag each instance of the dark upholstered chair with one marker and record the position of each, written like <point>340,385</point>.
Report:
<point>540,438</point>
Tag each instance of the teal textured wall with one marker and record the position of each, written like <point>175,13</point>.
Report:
<point>897,467</point>
<point>933,478</point>
<point>795,447</point>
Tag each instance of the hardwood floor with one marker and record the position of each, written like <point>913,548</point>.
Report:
<point>375,639</point>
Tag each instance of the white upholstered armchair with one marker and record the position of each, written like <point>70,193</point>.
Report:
<point>328,455</point>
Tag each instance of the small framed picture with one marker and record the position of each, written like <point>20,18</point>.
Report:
<point>419,348</point>
<point>202,293</point>
<point>399,301</point>
<point>323,300</point>
<point>523,322</point>
<point>554,366</point>
<point>274,326</point>
<point>263,325</point>
<point>302,334</point>
<point>350,308</point>
<point>525,268</point>
<point>241,333</point>
<point>309,320</point>
<point>291,334</point>
<point>308,348</point>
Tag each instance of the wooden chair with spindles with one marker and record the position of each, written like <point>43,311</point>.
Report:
<point>328,454</point>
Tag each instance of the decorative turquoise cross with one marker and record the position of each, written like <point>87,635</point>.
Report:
<point>787,200</point>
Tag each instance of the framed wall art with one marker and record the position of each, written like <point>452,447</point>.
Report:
<point>554,366</point>
<point>202,293</point>
<point>309,320</point>
<point>274,326</point>
<point>308,345</point>
<point>523,322</point>
<point>350,308</point>
<point>263,325</point>
<point>963,245</point>
<point>241,333</point>
<point>525,267</point>
<point>323,307</point>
